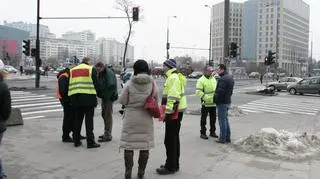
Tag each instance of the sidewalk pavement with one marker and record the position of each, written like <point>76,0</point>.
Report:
<point>35,151</point>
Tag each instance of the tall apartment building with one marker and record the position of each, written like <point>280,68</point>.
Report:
<point>111,51</point>
<point>84,36</point>
<point>217,30</point>
<point>63,48</point>
<point>31,28</point>
<point>281,26</point>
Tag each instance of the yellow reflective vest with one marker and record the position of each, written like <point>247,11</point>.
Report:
<point>80,81</point>
<point>205,89</point>
<point>173,91</point>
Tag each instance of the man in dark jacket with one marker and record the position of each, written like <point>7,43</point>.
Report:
<point>83,91</point>
<point>109,93</point>
<point>222,98</point>
<point>5,110</point>
<point>68,110</point>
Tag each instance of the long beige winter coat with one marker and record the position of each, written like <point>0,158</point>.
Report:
<point>137,128</point>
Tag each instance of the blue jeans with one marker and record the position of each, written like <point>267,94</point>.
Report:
<point>223,122</point>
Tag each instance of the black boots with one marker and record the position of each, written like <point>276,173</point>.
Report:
<point>143,160</point>
<point>128,162</point>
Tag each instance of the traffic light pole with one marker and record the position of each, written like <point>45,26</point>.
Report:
<point>226,60</point>
<point>38,46</point>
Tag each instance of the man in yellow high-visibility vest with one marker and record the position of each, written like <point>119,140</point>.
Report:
<point>83,89</point>
<point>205,89</point>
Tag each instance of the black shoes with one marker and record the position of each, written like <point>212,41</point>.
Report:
<point>67,140</point>
<point>203,136</point>
<point>214,135</point>
<point>82,137</point>
<point>77,144</point>
<point>223,141</point>
<point>163,166</point>
<point>104,139</point>
<point>93,145</point>
<point>164,171</point>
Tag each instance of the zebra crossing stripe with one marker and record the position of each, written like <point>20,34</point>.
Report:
<point>33,117</point>
<point>32,99</point>
<point>26,97</point>
<point>280,109</point>
<point>295,107</point>
<point>35,104</point>
<point>41,107</point>
<point>44,111</point>
<point>261,109</point>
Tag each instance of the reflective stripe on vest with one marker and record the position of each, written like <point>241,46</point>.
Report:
<point>80,80</point>
<point>58,95</point>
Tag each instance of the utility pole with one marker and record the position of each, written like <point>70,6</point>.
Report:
<point>38,46</point>
<point>226,33</point>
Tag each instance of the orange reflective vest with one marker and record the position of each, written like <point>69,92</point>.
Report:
<point>58,95</point>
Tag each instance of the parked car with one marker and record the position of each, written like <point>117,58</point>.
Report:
<point>254,75</point>
<point>283,83</point>
<point>10,69</point>
<point>308,85</point>
<point>195,74</point>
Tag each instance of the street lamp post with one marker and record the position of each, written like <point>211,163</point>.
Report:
<point>210,35</point>
<point>168,43</point>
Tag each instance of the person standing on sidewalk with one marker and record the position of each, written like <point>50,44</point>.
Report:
<point>205,89</point>
<point>109,94</point>
<point>68,110</point>
<point>5,111</point>
<point>223,100</point>
<point>83,89</point>
<point>174,100</point>
<point>137,127</point>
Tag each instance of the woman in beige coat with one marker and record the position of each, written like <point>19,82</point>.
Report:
<point>137,128</point>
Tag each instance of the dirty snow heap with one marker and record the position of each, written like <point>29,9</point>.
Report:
<point>280,144</point>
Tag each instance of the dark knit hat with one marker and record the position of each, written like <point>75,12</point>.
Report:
<point>171,63</point>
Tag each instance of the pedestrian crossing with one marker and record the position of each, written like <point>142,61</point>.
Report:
<point>281,105</point>
<point>34,106</point>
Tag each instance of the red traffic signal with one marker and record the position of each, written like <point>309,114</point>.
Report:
<point>26,47</point>
<point>266,62</point>
<point>135,13</point>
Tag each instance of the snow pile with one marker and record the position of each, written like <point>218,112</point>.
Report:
<point>235,111</point>
<point>284,144</point>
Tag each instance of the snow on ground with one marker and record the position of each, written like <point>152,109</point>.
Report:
<point>283,144</point>
<point>234,111</point>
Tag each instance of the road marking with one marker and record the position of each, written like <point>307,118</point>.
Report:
<point>265,110</point>
<point>23,97</point>
<point>286,105</point>
<point>36,104</point>
<point>19,92</point>
<point>252,111</point>
<point>45,111</point>
<point>279,109</point>
<point>32,99</point>
<point>42,107</point>
<point>33,117</point>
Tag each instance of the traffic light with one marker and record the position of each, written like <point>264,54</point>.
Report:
<point>233,49</point>
<point>135,13</point>
<point>33,52</point>
<point>26,47</point>
<point>266,62</point>
<point>271,57</point>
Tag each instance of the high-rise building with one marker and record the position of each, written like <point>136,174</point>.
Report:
<point>84,36</point>
<point>111,51</point>
<point>31,28</point>
<point>217,30</point>
<point>282,26</point>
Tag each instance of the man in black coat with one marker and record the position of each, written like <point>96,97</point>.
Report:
<point>5,110</point>
<point>83,101</point>
<point>222,99</point>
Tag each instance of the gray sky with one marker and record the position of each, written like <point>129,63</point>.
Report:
<point>189,29</point>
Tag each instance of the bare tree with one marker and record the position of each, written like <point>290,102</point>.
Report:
<point>126,6</point>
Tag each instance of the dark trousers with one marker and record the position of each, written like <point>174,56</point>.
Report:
<point>172,142</point>
<point>68,120</point>
<point>212,114</point>
<point>87,113</point>
<point>107,110</point>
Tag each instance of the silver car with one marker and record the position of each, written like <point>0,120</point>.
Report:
<point>283,83</point>
<point>309,85</point>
